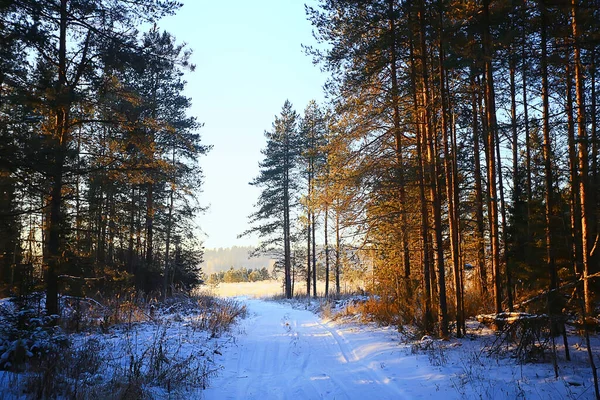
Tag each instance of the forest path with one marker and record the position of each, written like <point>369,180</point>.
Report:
<point>286,353</point>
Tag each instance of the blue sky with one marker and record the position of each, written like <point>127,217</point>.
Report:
<point>249,60</point>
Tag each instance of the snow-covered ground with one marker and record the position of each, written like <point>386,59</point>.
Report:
<point>284,350</point>
<point>288,353</point>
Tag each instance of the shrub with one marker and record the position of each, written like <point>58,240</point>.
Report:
<point>25,335</point>
<point>219,316</point>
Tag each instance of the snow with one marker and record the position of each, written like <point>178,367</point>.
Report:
<point>285,350</point>
<point>290,353</point>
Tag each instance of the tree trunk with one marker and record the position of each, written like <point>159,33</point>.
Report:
<point>337,252</point>
<point>594,137</point>
<point>575,236</point>
<point>112,216</point>
<point>450,182</point>
<point>509,298</point>
<point>491,135</point>
<point>314,256</point>
<point>326,253</point>
<point>594,189</point>
<point>528,182</point>
<point>516,195</point>
<point>168,235</point>
<point>286,220</point>
<point>308,250</point>
<point>480,230</point>
<point>432,160</point>
<point>456,192</point>
<point>61,141</point>
<point>130,252</point>
<point>419,126</point>
<point>582,139</point>
<point>547,147</point>
<point>399,149</point>
<point>149,224</point>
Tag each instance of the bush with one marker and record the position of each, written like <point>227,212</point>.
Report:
<point>25,335</point>
<point>143,360</point>
<point>69,372</point>
<point>219,316</point>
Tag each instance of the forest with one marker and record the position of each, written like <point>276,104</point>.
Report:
<point>99,169</point>
<point>452,169</point>
<point>456,156</point>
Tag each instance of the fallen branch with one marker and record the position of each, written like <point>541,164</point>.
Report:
<point>80,278</point>
<point>545,293</point>
<point>84,299</point>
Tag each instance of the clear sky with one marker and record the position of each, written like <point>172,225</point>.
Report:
<point>249,60</point>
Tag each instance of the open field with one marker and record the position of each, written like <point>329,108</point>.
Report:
<point>265,289</point>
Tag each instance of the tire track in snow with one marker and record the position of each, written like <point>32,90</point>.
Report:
<point>347,353</point>
<point>367,374</point>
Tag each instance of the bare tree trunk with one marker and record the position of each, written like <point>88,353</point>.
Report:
<point>130,267</point>
<point>149,224</point>
<point>528,181</point>
<point>491,135</point>
<point>427,247</point>
<point>595,190</point>
<point>326,252</point>
<point>509,298</point>
<point>61,140</point>
<point>286,224</point>
<point>451,177</point>
<point>168,236</point>
<point>314,255</point>
<point>419,126</point>
<point>594,138</point>
<point>553,307</point>
<point>582,139</point>
<point>516,200</point>
<point>399,149</point>
<point>456,191</point>
<point>308,250</point>
<point>99,199</point>
<point>480,230</point>
<point>595,179</point>
<point>575,236</point>
<point>432,160</point>
<point>110,199</point>
<point>337,252</point>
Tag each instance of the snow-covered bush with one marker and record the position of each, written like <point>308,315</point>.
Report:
<point>25,335</point>
<point>167,351</point>
<point>435,350</point>
<point>70,372</point>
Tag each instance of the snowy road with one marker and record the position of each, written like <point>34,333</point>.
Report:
<point>285,353</point>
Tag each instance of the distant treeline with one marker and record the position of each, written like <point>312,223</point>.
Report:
<point>239,275</point>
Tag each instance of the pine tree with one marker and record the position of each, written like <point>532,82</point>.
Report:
<point>278,180</point>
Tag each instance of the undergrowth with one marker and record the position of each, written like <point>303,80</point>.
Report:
<point>133,348</point>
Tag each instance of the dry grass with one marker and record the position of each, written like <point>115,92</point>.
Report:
<point>142,356</point>
<point>251,289</point>
<point>270,289</point>
<point>219,316</point>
